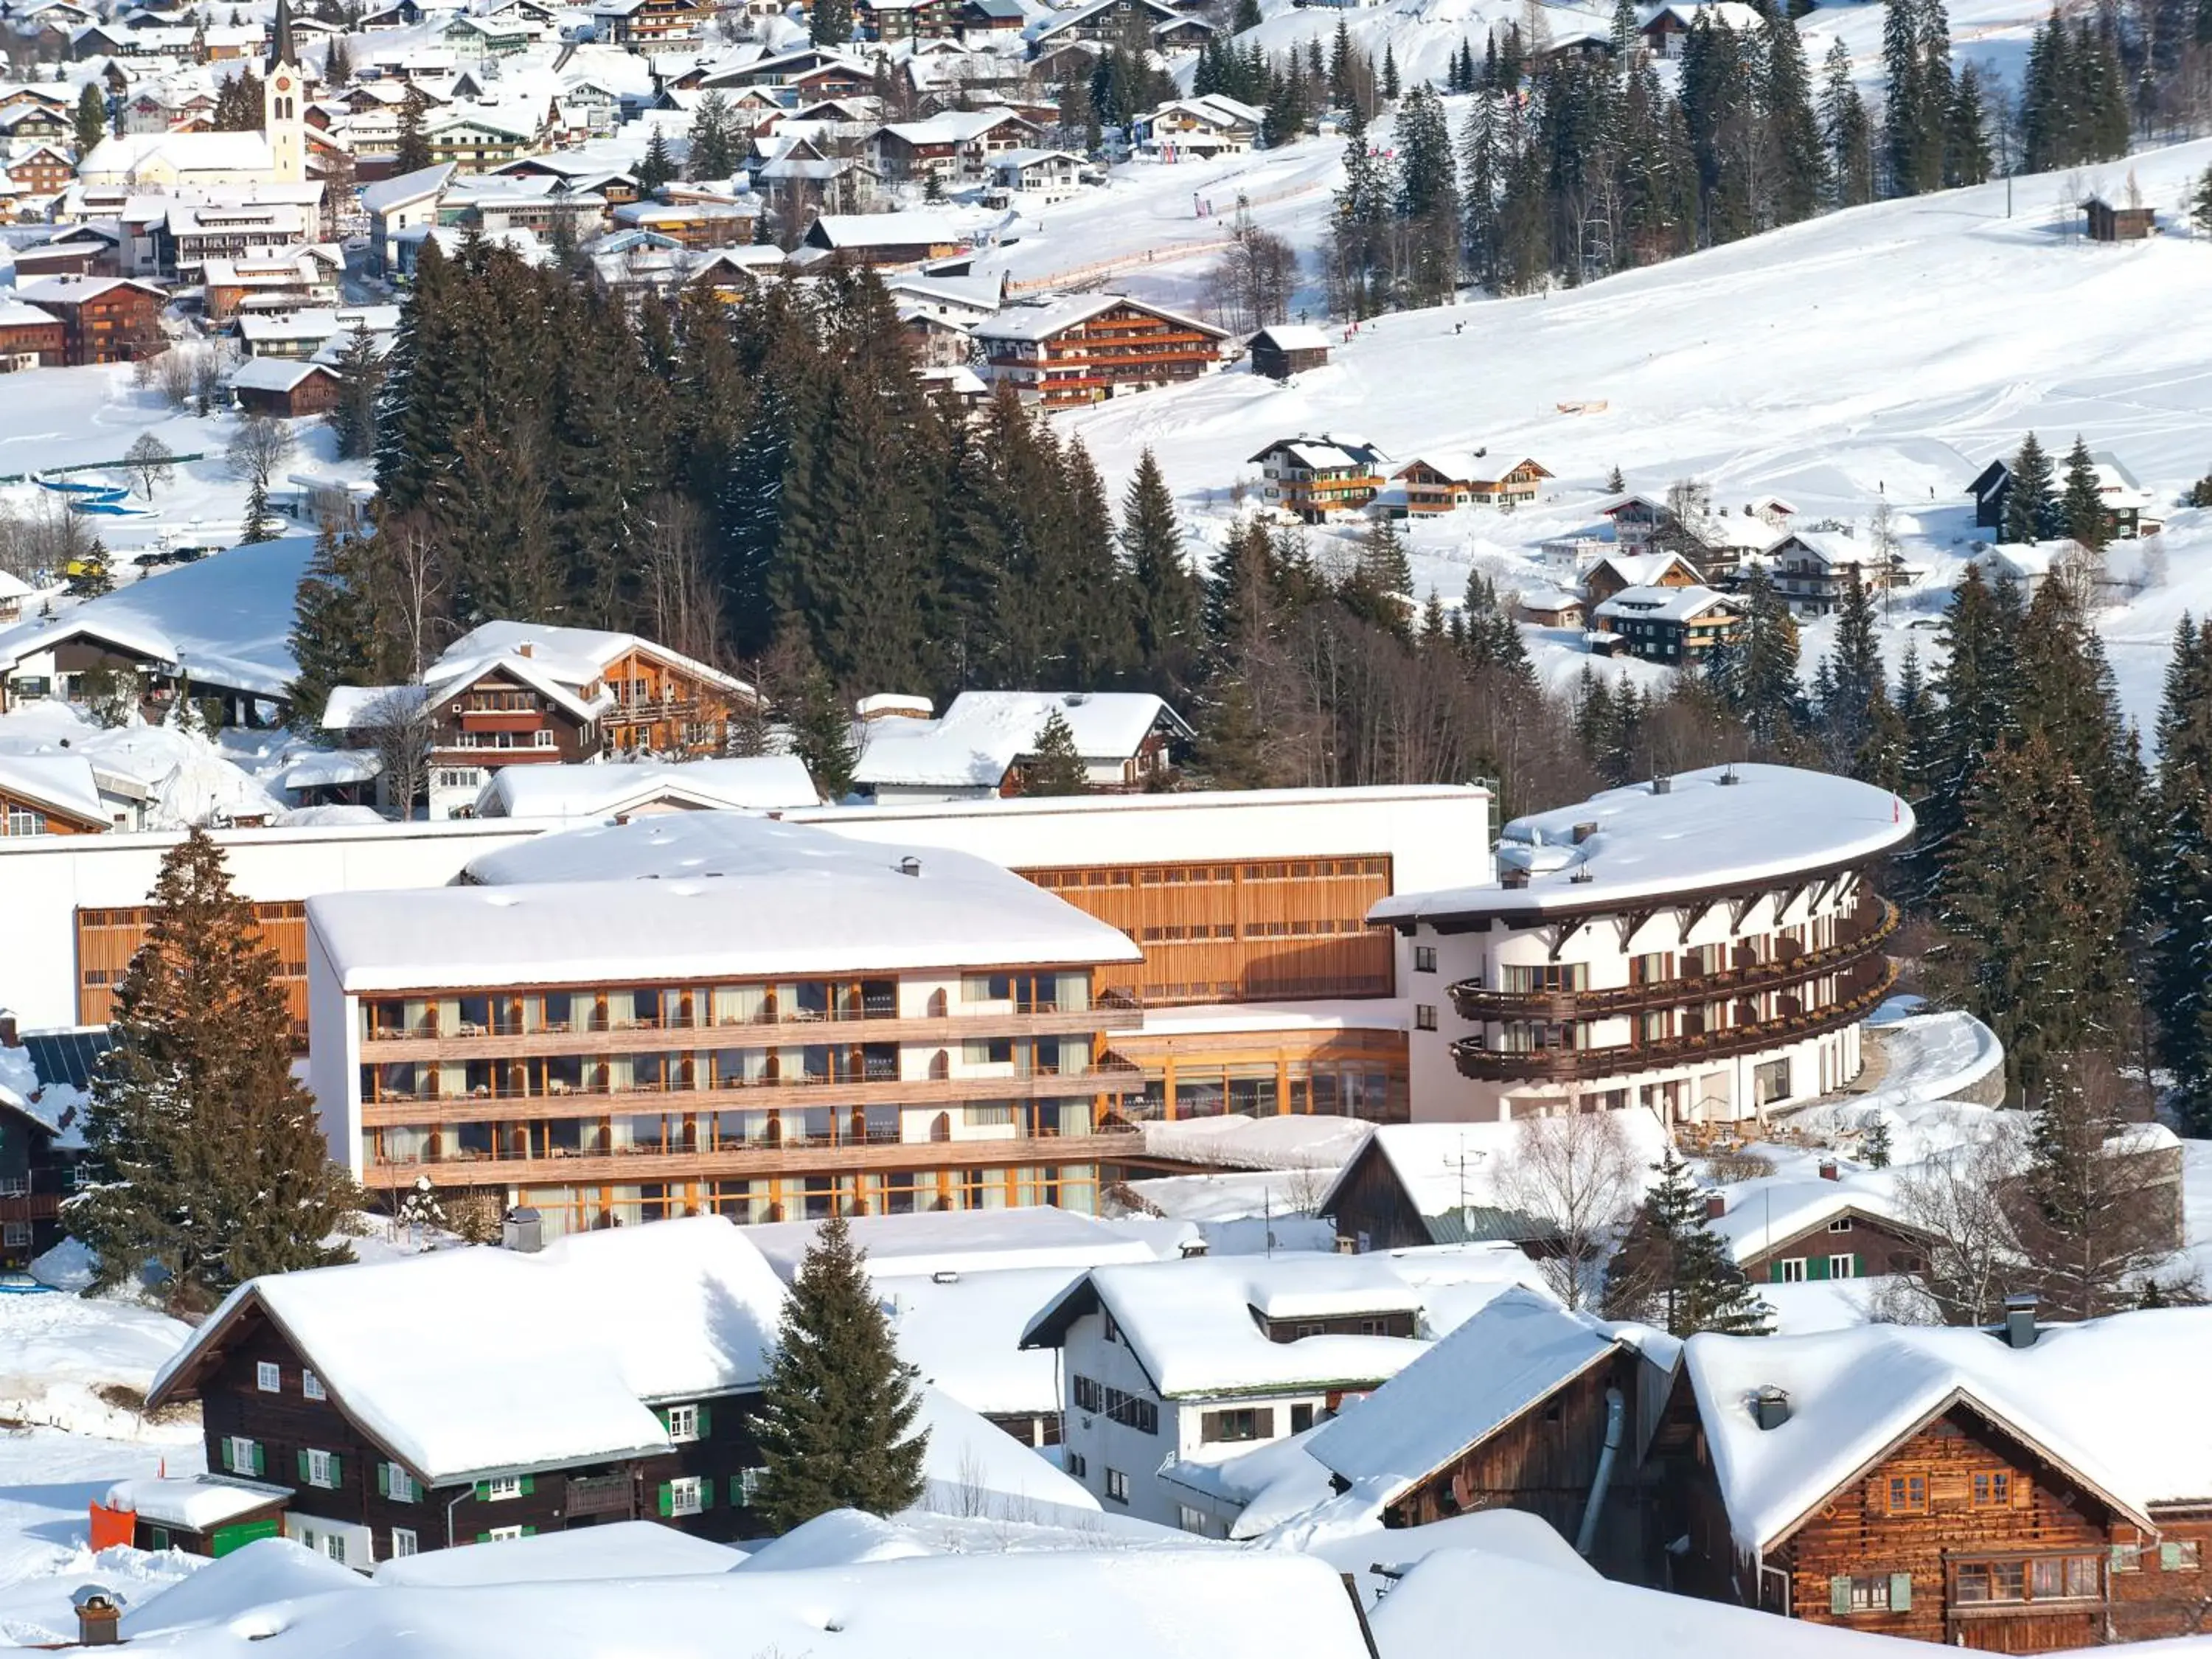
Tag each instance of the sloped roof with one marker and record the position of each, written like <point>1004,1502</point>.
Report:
<point>465,1362</point>
<point>1520,1349</point>
<point>1031,320</point>
<point>983,733</point>
<point>1666,604</point>
<point>61,781</point>
<point>757,783</point>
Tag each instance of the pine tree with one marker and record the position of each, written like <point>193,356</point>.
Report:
<point>1875,1149</point>
<point>713,148</point>
<point>1169,605</point>
<point>829,23</point>
<point>2200,205</point>
<point>2177,878</point>
<point>1246,15</point>
<point>331,625</point>
<point>2081,507</point>
<point>1967,144</point>
<point>1054,766</point>
<point>1766,691</point>
<point>1672,1270</point>
<point>821,731</point>
<point>89,574</point>
<point>1378,589</point>
<point>209,1159</point>
<point>1845,132</point>
<point>361,388</point>
<point>1792,129</point>
<point>337,63</point>
<point>413,152</point>
<point>836,1425</point>
<point>91,120</point>
<point>2031,511</point>
<point>656,167</point>
<point>254,520</point>
<point>1389,74</point>
<point>1904,95</point>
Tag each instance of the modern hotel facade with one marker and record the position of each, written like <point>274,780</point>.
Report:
<point>1705,947</point>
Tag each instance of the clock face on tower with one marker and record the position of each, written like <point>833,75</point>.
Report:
<point>283,83</point>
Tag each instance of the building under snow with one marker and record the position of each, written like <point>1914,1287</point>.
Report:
<point>1703,945</point>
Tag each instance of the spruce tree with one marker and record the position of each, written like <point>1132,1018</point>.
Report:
<point>1845,132</point>
<point>1674,1271</point>
<point>1874,1148</point>
<point>2200,204</point>
<point>656,167</point>
<point>331,625</point>
<point>413,152</point>
<point>361,388</point>
<point>2031,512</point>
<point>255,524</point>
<point>2082,507</point>
<point>91,120</point>
<point>836,1425</point>
<point>821,731</point>
<point>1054,766</point>
<point>2177,878</point>
<point>713,148</point>
<point>829,23</point>
<point>1170,607</point>
<point>209,1159</point>
<point>1766,690</point>
<point>1378,588</point>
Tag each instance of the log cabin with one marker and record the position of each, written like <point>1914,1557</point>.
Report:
<point>468,1395</point>
<point>1984,1488</point>
<point>1090,347</point>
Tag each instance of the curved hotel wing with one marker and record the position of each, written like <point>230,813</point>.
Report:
<point>1705,945</point>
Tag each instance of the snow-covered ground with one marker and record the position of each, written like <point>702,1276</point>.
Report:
<point>1886,353</point>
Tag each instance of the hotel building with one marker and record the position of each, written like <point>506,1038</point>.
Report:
<point>1703,945</point>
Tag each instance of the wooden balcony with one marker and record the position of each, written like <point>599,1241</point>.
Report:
<point>1869,929</point>
<point>739,1164</point>
<point>502,1041</point>
<point>1108,1076</point>
<point>600,1494</point>
<point>1477,1059</point>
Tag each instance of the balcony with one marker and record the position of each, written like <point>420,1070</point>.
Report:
<point>600,1494</point>
<point>1867,929</point>
<point>1478,1060</point>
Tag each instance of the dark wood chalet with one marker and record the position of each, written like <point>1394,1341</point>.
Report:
<point>2023,1490</point>
<point>471,1396</point>
<point>1401,1189</point>
<point>1288,349</point>
<point>1513,1409</point>
<point>41,1146</point>
<point>1093,347</point>
<point>2108,223</point>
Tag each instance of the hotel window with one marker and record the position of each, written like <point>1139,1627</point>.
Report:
<point>319,1468</point>
<point>395,1483</point>
<point>1117,1486</point>
<point>1228,1426</point>
<point>500,1486</point>
<point>268,1378</point>
<point>1843,1266</point>
<point>1793,1270</point>
<point>1875,1592</point>
<point>1425,1017</point>
<point>2182,1556</point>
<point>504,1535</point>
<point>1425,958</point>
<point>243,1456</point>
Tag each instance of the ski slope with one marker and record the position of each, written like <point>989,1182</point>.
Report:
<point>1888,352</point>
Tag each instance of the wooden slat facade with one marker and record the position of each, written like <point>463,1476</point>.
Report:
<point>107,939</point>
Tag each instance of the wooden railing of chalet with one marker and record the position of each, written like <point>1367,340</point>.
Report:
<point>1477,1059</point>
<point>1874,924</point>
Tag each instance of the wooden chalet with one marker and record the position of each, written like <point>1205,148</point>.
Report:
<point>44,169</point>
<point>1676,626</point>
<point>2017,1490</point>
<point>1103,21</point>
<point>30,337</point>
<point>649,25</point>
<point>41,1140</point>
<point>1513,1409</point>
<point>1617,571</point>
<point>1314,477</point>
<point>1550,607</point>
<point>1812,569</point>
<point>1636,518</point>
<point>886,239</point>
<point>419,1404</point>
<point>1288,349</point>
<point>105,319</point>
<point>1406,1186</point>
<point>1093,347</point>
<point>1439,483</point>
<point>2108,223</point>
<point>285,389</point>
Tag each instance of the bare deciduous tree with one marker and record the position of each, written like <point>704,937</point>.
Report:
<point>1250,286</point>
<point>1577,1176</point>
<point>1955,1202</point>
<point>397,729</point>
<point>680,593</point>
<point>260,448</point>
<point>152,461</point>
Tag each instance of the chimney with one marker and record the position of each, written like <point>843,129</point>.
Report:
<point>1729,775</point>
<point>8,1038</point>
<point>1514,877</point>
<point>1769,1408</point>
<point>909,865</point>
<point>2020,1320</point>
<point>1828,1171</point>
<point>1584,831</point>
<point>1663,785</point>
<point>526,649</point>
<point>523,1232</point>
<point>1716,1206</point>
<point>98,1610</point>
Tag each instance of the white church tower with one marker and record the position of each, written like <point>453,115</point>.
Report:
<point>284,101</point>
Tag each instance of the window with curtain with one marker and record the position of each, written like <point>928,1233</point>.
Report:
<point>741,1005</point>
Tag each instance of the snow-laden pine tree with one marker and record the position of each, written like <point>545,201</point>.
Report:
<point>1675,1271</point>
<point>1054,766</point>
<point>836,1426</point>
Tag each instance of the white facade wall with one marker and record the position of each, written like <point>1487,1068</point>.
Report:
<point>1106,1446</point>
<point>1712,1089</point>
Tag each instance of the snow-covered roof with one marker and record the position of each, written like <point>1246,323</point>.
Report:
<point>223,621</point>
<point>187,152</point>
<point>1295,1140</point>
<point>273,374</point>
<point>64,782</point>
<point>1040,319</point>
<point>983,733</point>
<point>464,1362</point>
<point>613,1549</point>
<point>1195,1325</point>
<point>1295,337</point>
<point>196,1505</point>
<point>1326,454</point>
<point>1854,1394</point>
<point>914,227</point>
<point>575,656</point>
<point>1734,14</point>
<point>1768,1211</point>
<point>1718,826</point>
<point>1830,547</point>
<point>963,1334</point>
<point>1680,605</point>
<point>16,314</point>
<point>967,1242</point>
<point>763,897</point>
<point>757,783</point>
<point>1519,1349</point>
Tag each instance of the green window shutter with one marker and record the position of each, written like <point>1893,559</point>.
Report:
<point>529,1483</point>
<point>1774,1272</point>
<point>1858,1271</point>
<point>2169,1558</point>
<point>302,1457</point>
<point>661,1413</point>
<point>1900,1592</point>
<point>2118,1557</point>
<point>705,1495</point>
<point>384,1479</point>
<point>1839,1594</point>
<point>737,1491</point>
<point>667,1499</point>
<point>1817,1267</point>
<point>705,1422</point>
<point>483,1492</point>
<point>260,1458</point>
<point>337,1470</point>
<point>229,1461</point>
<point>484,1538</point>
<point>529,1532</point>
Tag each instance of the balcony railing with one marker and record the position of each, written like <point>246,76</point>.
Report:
<point>1477,1059</point>
<point>1118,1011</point>
<point>1872,925</point>
<point>600,1494</point>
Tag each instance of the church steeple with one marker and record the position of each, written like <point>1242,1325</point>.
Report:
<point>281,48</point>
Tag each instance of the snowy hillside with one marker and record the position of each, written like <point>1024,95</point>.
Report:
<point>1890,351</point>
